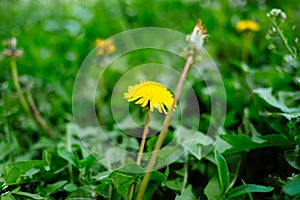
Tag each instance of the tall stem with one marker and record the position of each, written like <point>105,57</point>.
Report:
<point>15,76</point>
<point>28,104</point>
<point>141,150</point>
<point>142,146</point>
<point>163,132</point>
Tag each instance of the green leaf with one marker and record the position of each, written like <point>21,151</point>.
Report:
<point>132,167</point>
<point>175,184</point>
<point>249,188</point>
<point>16,169</point>
<point>266,95</point>
<point>70,187</point>
<point>277,140</point>
<point>85,192</point>
<point>69,156</point>
<point>26,194</point>
<point>52,188</point>
<point>224,176</point>
<point>240,143</point>
<point>156,180</point>
<point>122,183</point>
<point>292,188</point>
<point>5,149</point>
<point>187,194</point>
<point>212,189</point>
<point>8,196</point>
<point>293,158</point>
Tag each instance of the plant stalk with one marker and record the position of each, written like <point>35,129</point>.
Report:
<point>15,76</point>
<point>164,130</point>
<point>28,104</point>
<point>141,150</point>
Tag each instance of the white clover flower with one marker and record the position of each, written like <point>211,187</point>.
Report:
<point>276,13</point>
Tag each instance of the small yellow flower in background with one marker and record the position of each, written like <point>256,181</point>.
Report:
<point>105,46</point>
<point>152,94</point>
<point>247,25</point>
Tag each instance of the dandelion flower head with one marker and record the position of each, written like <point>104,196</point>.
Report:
<point>105,46</point>
<point>152,94</point>
<point>247,25</point>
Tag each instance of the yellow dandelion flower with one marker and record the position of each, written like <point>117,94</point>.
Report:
<point>152,94</point>
<point>105,46</point>
<point>247,25</point>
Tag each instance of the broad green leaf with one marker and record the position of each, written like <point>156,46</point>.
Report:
<point>122,183</point>
<point>132,167</point>
<point>29,195</point>
<point>87,162</point>
<point>212,189</point>
<point>266,95</point>
<point>240,143</point>
<point>69,156</point>
<point>8,196</point>
<point>156,179</point>
<point>293,158</point>
<point>224,176</point>
<point>187,194</point>
<point>70,187</point>
<point>85,192</point>
<point>277,140</point>
<point>52,188</point>
<point>175,184</point>
<point>16,169</point>
<point>249,188</point>
<point>293,187</point>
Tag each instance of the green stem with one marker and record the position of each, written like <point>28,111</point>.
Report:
<point>38,118</point>
<point>28,104</point>
<point>164,130</point>
<point>15,77</point>
<point>142,146</point>
<point>69,148</point>
<point>185,177</point>
<point>284,40</point>
<point>236,175</point>
<point>245,48</point>
<point>141,150</point>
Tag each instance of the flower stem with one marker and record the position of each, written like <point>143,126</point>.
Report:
<point>284,40</point>
<point>141,150</point>
<point>142,146</point>
<point>163,132</point>
<point>28,103</point>
<point>15,76</point>
<point>245,47</point>
<point>38,118</point>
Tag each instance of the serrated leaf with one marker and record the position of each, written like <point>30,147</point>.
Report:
<point>16,169</point>
<point>224,176</point>
<point>187,194</point>
<point>248,188</point>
